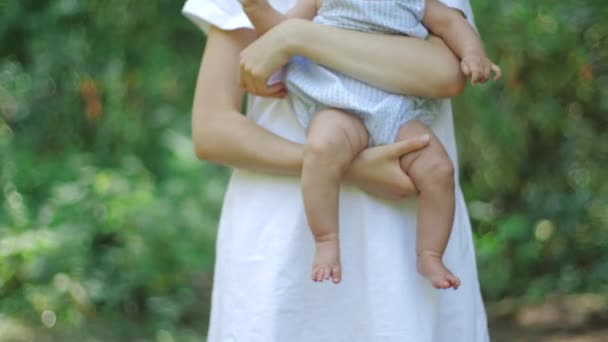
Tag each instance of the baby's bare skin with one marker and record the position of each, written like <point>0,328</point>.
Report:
<point>431,266</point>
<point>326,264</point>
<point>321,174</point>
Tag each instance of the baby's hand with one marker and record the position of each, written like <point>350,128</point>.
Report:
<point>479,68</point>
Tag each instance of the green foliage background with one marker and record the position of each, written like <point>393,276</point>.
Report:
<point>107,216</point>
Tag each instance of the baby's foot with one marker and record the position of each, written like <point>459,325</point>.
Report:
<point>326,263</point>
<point>430,266</point>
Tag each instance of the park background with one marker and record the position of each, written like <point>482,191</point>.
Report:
<point>107,220</point>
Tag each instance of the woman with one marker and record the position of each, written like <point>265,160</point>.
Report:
<point>261,288</point>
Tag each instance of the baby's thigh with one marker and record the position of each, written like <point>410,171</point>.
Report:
<point>333,128</point>
<point>430,161</point>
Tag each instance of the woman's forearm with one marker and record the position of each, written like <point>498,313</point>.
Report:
<point>239,142</point>
<point>394,63</point>
<point>220,132</point>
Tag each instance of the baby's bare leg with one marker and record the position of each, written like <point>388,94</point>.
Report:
<point>433,174</point>
<point>334,138</point>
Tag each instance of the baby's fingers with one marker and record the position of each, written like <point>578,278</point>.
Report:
<point>497,72</point>
<point>476,69</point>
<point>477,74</point>
<point>465,69</point>
<point>486,73</point>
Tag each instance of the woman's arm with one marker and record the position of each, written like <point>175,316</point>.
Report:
<point>394,63</point>
<point>221,134</point>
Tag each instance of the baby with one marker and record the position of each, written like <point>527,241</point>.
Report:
<point>343,116</point>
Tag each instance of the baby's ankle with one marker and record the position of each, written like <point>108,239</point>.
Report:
<point>319,238</point>
<point>429,254</point>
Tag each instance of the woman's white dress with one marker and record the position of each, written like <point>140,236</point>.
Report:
<point>262,290</point>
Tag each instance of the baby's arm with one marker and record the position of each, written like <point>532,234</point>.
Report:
<point>264,17</point>
<point>459,35</point>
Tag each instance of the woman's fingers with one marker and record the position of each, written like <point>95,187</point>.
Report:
<point>406,188</point>
<point>259,60</point>
<point>406,146</point>
<point>263,89</point>
<point>258,86</point>
<point>247,82</point>
<point>275,90</point>
<point>401,187</point>
<point>255,82</point>
<point>379,171</point>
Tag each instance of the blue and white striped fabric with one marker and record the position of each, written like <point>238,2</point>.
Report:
<point>313,87</point>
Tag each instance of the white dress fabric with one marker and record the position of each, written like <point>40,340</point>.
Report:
<point>262,290</point>
<point>313,87</point>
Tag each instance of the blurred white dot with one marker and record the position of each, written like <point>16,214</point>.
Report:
<point>48,318</point>
<point>9,188</point>
<point>164,336</point>
<point>575,110</point>
<point>548,23</point>
<point>62,282</point>
<point>544,230</point>
<point>15,199</point>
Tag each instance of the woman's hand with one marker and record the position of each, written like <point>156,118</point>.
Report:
<point>263,58</point>
<point>378,172</point>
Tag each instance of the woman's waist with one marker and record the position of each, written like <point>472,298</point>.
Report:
<point>277,117</point>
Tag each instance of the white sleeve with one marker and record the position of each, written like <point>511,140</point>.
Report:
<point>463,6</point>
<point>225,14</point>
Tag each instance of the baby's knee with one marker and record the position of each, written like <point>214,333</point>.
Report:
<point>437,170</point>
<point>336,138</point>
<point>412,129</point>
<point>326,149</point>
<point>317,147</point>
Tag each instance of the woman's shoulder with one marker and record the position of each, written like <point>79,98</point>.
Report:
<point>225,14</point>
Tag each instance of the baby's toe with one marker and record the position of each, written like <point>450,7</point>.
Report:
<point>336,274</point>
<point>443,284</point>
<point>317,273</point>
<point>454,281</point>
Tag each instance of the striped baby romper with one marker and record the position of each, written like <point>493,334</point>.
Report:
<point>313,87</point>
